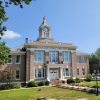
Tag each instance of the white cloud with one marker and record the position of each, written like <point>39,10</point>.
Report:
<point>11,35</point>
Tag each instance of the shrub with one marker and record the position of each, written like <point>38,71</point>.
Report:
<point>17,86</point>
<point>4,87</point>
<point>47,83</point>
<point>77,80</point>
<point>88,78</point>
<point>70,80</point>
<point>10,86</point>
<point>32,84</point>
<point>41,83</point>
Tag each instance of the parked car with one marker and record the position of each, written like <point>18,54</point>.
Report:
<point>92,90</point>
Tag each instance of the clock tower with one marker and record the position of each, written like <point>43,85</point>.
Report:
<point>44,30</point>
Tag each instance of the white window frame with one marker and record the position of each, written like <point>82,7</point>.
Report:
<point>64,73</point>
<point>82,59</point>
<point>36,54</point>
<point>19,59</point>
<point>37,72</point>
<point>68,56</point>
<point>51,57</point>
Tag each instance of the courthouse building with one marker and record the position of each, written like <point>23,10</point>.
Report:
<point>46,59</point>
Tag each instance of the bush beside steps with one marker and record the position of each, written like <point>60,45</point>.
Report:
<point>35,84</point>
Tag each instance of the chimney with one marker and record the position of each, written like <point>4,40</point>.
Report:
<point>26,40</point>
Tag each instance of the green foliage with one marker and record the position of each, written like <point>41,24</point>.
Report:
<point>88,78</point>
<point>70,80</point>
<point>94,63</point>
<point>98,52</point>
<point>7,76</point>
<point>47,83</point>
<point>41,83</point>
<point>4,52</point>
<point>10,86</point>
<point>3,17</point>
<point>32,84</point>
<point>77,80</point>
<point>48,92</point>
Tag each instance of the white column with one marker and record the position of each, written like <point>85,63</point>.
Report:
<point>69,69</point>
<point>61,73</point>
<point>48,77</point>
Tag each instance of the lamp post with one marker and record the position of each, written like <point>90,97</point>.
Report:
<point>97,88</point>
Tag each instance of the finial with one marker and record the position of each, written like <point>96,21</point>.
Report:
<point>44,19</point>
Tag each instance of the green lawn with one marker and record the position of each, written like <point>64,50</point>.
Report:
<point>88,84</point>
<point>48,92</point>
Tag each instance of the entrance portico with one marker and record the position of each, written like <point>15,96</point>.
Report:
<point>57,73</point>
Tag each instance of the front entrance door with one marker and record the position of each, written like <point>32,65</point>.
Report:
<point>54,74</point>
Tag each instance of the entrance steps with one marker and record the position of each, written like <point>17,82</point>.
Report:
<point>56,82</point>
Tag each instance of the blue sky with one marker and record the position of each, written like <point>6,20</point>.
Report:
<point>71,21</point>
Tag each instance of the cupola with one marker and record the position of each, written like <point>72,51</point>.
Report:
<point>44,30</point>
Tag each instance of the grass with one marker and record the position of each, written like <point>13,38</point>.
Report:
<point>88,84</point>
<point>48,92</point>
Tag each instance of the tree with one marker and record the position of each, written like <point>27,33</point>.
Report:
<point>3,17</point>
<point>94,63</point>
<point>4,52</point>
<point>98,52</point>
<point>7,76</point>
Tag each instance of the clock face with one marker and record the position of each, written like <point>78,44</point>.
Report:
<point>45,30</point>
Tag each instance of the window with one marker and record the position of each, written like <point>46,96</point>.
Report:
<point>39,72</point>
<point>66,55</point>
<point>9,59</point>
<point>82,59</point>
<point>53,56</point>
<point>17,75</point>
<point>83,71</point>
<point>39,56</point>
<point>18,59</point>
<point>78,71</point>
<point>66,72</point>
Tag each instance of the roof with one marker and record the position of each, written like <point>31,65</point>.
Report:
<point>82,53</point>
<point>49,43</point>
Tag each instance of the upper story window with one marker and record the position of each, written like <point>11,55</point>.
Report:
<point>66,55</point>
<point>53,56</point>
<point>82,59</point>
<point>18,59</point>
<point>39,72</point>
<point>9,59</point>
<point>39,56</point>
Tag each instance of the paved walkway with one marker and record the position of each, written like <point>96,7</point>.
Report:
<point>74,87</point>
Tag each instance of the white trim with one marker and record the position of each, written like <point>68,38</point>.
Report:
<point>48,49</point>
<point>9,63</point>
